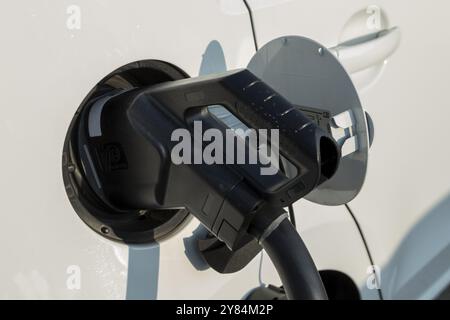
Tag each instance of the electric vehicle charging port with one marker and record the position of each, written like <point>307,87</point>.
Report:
<point>129,225</point>
<point>122,181</point>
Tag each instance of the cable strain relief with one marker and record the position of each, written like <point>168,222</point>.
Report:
<point>266,220</point>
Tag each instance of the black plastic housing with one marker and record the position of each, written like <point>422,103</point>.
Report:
<point>126,154</point>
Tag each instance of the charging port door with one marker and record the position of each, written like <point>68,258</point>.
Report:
<point>311,77</point>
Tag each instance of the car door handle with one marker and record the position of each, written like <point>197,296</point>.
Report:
<point>363,52</point>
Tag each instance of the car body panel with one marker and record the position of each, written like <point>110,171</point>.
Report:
<point>403,206</point>
<point>49,64</point>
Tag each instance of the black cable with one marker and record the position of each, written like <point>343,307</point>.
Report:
<point>361,233</point>
<point>299,283</point>
<point>252,24</point>
<point>294,264</point>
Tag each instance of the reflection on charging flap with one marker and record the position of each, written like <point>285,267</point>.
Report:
<point>307,74</point>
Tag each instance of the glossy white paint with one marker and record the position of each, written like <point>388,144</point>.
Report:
<point>334,242</point>
<point>404,206</point>
<point>48,68</point>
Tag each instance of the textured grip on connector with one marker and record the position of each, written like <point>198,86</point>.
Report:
<point>301,140</point>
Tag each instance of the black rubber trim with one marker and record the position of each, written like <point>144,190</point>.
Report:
<point>127,226</point>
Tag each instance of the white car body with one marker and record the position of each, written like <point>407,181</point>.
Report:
<point>53,53</point>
